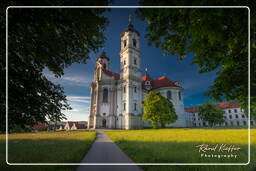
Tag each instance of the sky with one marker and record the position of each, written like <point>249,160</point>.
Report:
<point>77,77</point>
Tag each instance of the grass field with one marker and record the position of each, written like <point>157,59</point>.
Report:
<point>179,146</point>
<point>46,147</point>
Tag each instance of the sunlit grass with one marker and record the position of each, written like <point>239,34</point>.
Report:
<point>179,146</point>
<point>46,147</point>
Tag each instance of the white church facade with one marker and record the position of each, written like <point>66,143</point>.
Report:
<point>116,98</point>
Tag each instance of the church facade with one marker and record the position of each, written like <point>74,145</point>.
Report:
<point>116,98</point>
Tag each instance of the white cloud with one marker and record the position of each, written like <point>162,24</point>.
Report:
<point>80,99</point>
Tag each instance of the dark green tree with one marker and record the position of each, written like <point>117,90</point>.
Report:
<point>211,113</point>
<point>40,38</point>
<point>158,109</point>
<point>218,38</point>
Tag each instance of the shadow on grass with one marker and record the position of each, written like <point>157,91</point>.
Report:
<point>44,151</point>
<point>180,152</point>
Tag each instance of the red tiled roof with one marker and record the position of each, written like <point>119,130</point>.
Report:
<point>112,74</point>
<point>39,126</point>
<point>158,83</point>
<point>223,105</point>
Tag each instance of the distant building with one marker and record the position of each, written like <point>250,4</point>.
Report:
<point>75,125</point>
<point>39,127</point>
<point>233,115</point>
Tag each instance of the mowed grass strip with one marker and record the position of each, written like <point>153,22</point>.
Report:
<point>179,146</point>
<point>47,147</point>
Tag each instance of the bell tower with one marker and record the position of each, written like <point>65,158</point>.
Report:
<point>130,77</point>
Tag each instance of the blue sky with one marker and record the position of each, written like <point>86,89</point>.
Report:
<point>78,77</point>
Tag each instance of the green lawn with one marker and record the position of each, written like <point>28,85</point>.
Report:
<point>179,146</point>
<point>46,147</point>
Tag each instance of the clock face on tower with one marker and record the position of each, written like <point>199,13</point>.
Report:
<point>147,85</point>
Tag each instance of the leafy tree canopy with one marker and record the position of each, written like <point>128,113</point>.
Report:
<point>218,37</point>
<point>40,38</point>
<point>211,113</point>
<point>158,109</point>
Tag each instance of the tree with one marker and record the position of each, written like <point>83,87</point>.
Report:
<point>218,38</point>
<point>158,109</point>
<point>211,113</point>
<point>40,38</point>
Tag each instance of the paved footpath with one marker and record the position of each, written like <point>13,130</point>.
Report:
<point>104,150</point>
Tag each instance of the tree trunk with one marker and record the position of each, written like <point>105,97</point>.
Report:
<point>162,125</point>
<point>155,125</point>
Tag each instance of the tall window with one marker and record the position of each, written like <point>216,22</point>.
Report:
<point>235,111</point>
<point>179,95</point>
<point>134,42</point>
<point>124,43</point>
<point>124,89</point>
<point>104,66</point>
<point>124,62</point>
<point>105,95</point>
<point>135,89</point>
<point>124,106</point>
<point>135,106</point>
<point>169,94</point>
<point>135,62</point>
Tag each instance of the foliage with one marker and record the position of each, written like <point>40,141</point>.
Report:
<point>46,147</point>
<point>40,38</point>
<point>158,109</point>
<point>211,113</point>
<point>217,37</point>
<point>179,146</point>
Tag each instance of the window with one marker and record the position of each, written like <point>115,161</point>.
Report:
<point>124,62</point>
<point>226,124</point>
<point>104,66</point>
<point>169,94</point>
<point>135,106</point>
<point>179,95</point>
<point>135,89</point>
<point>231,123</point>
<point>225,117</point>
<point>124,106</point>
<point>236,116</point>
<point>124,43</point>
<point>251,122</point>
<point>105,95</point>
<point>244,123</point>
<point>237,123</point>
<point>104,114</point>
<point>235,111</point>
<point>134,42</point>
<point>147,83</point>
<point>229,111</point>
<point>135,62</point>
<point>230,116</point>
<point>124,89</point>
<point>243,116</point>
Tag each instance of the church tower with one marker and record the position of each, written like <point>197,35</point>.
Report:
<point>130,78</point>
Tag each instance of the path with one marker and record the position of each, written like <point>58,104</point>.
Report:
<point>104,150</point>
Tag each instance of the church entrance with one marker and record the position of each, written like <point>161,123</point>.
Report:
<point>104,123</point>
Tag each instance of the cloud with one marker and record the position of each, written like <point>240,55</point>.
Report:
<point>79,99</point>
<point>70,79</point>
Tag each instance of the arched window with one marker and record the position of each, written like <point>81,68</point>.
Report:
<point>135,62</point>
<point>124,43</point>
<point>179,95</point>
<point>169,94</point>
<point>134,42</point>
<point>135,89</point>
<point>105,95</point>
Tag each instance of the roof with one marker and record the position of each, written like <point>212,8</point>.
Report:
<point>112,74</point>
<point>39,126</point>
<point>130,28</point>
<point>158,83</point>
<point>71,123</point>
<point>223,105</point>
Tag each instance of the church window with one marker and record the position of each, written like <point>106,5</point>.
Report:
<point>147,83</point>
<point>124,89</point>
<point>135,106</point>
<point>169,94</point>
<point>134,42</point>
<point>135,62</point>
<point>124,43</point>
<point>135,89</point>
<point>105,95</point>
<point>179,95</point>
<point>124,106</point>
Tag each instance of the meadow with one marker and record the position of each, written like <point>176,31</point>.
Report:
<point>179,146</point>
<point>46,147</point>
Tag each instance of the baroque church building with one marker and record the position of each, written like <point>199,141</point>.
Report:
<point>116,98</point>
